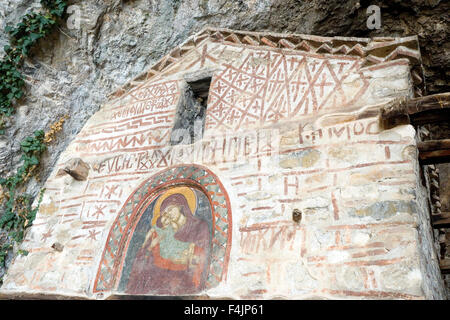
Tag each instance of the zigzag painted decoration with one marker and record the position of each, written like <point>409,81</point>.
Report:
<point>370,51</point>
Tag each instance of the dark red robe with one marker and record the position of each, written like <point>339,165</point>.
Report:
<point>153,274</point>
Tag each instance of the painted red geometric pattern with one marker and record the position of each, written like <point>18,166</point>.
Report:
<point>269,86</point>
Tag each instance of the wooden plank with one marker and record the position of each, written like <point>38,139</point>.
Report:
<point>418,111</point>
<point>434,145</point>
<point>430,116</point>
<point>434,151</point>
<point>444,223</point>
<point>442,220</point>
<point>445,266</point>
<point>426,103</point>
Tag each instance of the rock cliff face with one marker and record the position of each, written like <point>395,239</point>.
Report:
<point>105,43</point>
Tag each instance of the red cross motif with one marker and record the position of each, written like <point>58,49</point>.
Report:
<point>99,211</point>
<point>92,234</point>
<point>47,235</point>
<point>323,84</point>
<point>111,191</point>
<point>303,81</point>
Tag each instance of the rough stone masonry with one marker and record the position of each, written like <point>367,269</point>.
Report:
<point>289,189</point>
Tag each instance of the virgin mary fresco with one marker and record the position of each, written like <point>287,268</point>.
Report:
<point>172,257</point>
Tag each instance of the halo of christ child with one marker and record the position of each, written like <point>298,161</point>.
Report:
<point>173,257</point>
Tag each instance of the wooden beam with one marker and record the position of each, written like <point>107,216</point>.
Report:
<point>445,266</point>
<point>418,111</point>
<point>439,101</point>
<point>442,220</point>
<point>430,117</point>
<point>434,151</point>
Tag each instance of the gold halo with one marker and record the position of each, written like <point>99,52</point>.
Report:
<point>185,191</point>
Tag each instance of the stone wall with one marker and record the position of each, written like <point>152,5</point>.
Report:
<point>72,73</point>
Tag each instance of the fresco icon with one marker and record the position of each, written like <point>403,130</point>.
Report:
<point>172,236</point>
<point>169,252</point>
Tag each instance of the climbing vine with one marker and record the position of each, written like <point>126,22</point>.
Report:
<point>32,27</point>
<point>18,213</point>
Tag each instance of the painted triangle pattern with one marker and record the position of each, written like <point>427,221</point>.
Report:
<point>270,86</point>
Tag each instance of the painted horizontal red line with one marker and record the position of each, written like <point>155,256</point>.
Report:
<point>250,175</point>
<point>350,247</point>
<point>384,262</point>
<point>316,189</point>
<point>93,226</point>
<point>94,221</point>
<point>369,253</point>
<point>261,208</point>
<point>67,221</point>
<point>290,200</point>
<point>257,292</point>
<point>95,201</point>
<point>344,143</point>
<point>252,274</point>
<point>71,206</point>
<point>216,151</point>
<point>369,225</point>
<point>396,183</point>
<point>121,174</point>
<point>87,154</point>
<point>122,180</point>
<point>372,293</point>
<point>79,197</point>
<point>246,259</point>
<point>266,225</point>
<point>382,65</point>
<point>67,215</point>
<point>31,250</point>
<point>85,258</point>
<point>304,172</point>
<point>357,166</point>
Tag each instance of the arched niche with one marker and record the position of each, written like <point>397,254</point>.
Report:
<point>137,215</point>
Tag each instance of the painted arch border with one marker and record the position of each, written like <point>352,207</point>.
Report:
<point>114,252</point>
